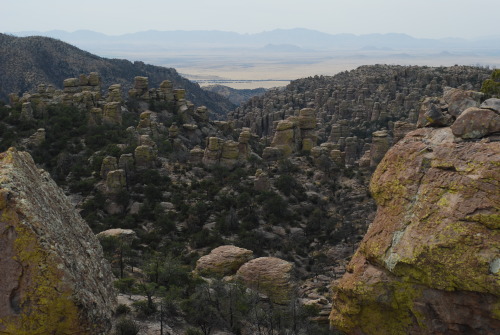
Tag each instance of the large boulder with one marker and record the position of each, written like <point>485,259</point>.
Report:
<point>223,261</point>
<point>54,277</point>
<point>429,263</point>
<point>270,276</point>
<point>476,123</point>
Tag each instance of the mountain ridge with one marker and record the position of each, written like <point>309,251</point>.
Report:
<point>300,36</point>
<point>29,61</point>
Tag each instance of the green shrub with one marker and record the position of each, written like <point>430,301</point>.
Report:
<point>123,309</point>
<point>126,326</point>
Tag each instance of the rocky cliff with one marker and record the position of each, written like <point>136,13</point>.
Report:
<point>429,263</point>
<point>54,277</point>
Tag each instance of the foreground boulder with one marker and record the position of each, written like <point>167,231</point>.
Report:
<point>223,261</point>
<point>270,276</point>
<point>54,278</point>
<point>430,261</point>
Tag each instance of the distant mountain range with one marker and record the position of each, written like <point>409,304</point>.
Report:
<point>301,38</point>
<point>26,62</point>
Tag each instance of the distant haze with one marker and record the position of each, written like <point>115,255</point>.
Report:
<point>421,19</point>
<point>274,58</point>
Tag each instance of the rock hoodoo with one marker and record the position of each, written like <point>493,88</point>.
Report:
<point>429,263</point>
<point>54,277</point>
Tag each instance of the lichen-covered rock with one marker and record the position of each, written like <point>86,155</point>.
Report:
<point>109,163</point>
<point>145,156</point>
<point>307,118</point>
<point>196,155</point>
<point>115,93</point>
<point>223,261</point>
<point>270,276</point>
<point>230,150</point>
<point>245,136</point>
<point>179,94</point>
<point>126,162</point>
<point>27,112</point>
<point>54,277</point>
<point>201,114</point>
<point>112,113</point>
<point>173,131</point>
<point>476,123</point>
<point>116,181</point>
<point>429,262</point>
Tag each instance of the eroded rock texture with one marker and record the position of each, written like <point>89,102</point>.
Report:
<point>271,276</point>
<point>430,261</point>
<point>222,261</point>
<point>54,278</point>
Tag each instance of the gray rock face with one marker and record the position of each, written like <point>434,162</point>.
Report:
<point>493,104</point>
<point>49,254</point>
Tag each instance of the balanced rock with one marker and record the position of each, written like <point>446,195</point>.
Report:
<point>196,155</point>
<point>429,263</point>
<point>223,261</point>
<point>270,276</point>
<point>125,235</point>
<point>380,145</point>
<point>54,279</point>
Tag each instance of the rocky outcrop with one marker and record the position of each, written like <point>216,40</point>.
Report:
<point>429,263</point>
<point>292,135</point>
<point>54,277</point>
<point>223,261</point>
<point>271,276</point>
<point>357,103</point>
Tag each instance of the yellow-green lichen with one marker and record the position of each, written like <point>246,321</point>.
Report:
<point>45,304</point>
<point>492,221</point>
<point>385,308</point>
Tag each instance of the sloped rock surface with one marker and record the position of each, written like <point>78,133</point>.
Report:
<point>223,261</point>
<point>429,263</point>
<point>54,277</point>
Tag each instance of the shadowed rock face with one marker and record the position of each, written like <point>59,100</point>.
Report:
<point>54,277</point>
<point>429,263</point>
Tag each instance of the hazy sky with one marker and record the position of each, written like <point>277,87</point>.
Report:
<point>418,18</point>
